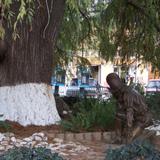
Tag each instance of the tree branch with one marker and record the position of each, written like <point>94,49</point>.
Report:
<point>88,22</point>
<point>142,10</point>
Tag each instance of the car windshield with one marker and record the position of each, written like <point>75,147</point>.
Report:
<point>154,84</point>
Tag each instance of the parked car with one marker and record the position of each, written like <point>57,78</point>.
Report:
<point>77,88</point>
<point>153,86</point>
<point>73,88</point>
<point>91,89</point>
<point>61,87</point>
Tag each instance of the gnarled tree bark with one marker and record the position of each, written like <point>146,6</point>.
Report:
<point>26,71</point>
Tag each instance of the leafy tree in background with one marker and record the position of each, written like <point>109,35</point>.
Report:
<point>79,28</point>
<point>135,28</point>
<point>29,29</point>
<point>126,27</point>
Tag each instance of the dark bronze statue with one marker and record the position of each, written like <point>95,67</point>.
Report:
<point>133,114</point>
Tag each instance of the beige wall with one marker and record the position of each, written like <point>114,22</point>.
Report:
<point>104,70</point>
<point>142,75</point>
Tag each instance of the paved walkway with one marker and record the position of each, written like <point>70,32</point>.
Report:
<point>96,151</point>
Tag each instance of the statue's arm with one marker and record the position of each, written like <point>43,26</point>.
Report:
<point>130,117</point>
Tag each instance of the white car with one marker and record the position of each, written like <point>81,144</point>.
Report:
<point>153,86</point>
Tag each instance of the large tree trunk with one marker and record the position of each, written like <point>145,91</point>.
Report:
<point>25,74</point>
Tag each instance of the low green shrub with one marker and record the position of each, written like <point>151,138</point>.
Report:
<point>153,102</point>
<point>24,153</point>
<point>70,101</point>
<point>137,150</point>
<point>4,126</point>
<point>91,114</point>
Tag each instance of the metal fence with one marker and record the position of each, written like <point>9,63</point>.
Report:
<point>89,92</point>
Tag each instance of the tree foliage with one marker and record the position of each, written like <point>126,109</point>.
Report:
<point>111,27</point>
<point>124,27</point>
<point>133,26</point>
<point>25,11</point>
<point>78,31</point>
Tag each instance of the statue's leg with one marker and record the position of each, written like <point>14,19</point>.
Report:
<point>136,132</point>
<point>142,123</point>
<point>118,131</point>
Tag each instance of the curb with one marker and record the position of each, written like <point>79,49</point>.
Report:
<point>87,136</point>
<point>106,137</point>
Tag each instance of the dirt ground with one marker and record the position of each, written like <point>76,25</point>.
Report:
<point>97,150</point>
<point>27,131</point>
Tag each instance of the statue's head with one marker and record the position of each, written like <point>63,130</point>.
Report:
<point>114,81</point>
